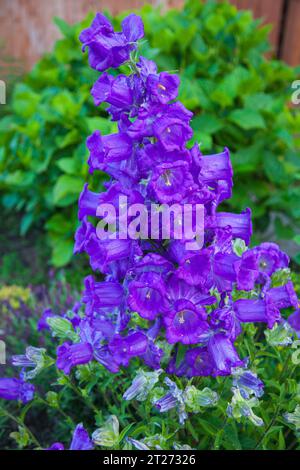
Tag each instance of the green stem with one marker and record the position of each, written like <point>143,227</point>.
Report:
<point>80,395</point>
<point>274,417</point>
<point>67,417</point>
<point>21,423</point>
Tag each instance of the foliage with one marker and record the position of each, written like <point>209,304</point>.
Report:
<point>239,98</point>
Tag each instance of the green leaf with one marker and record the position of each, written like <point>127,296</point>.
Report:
<point>181,350</point>
<point>65,28</point>
<point>99,123</point>
<point>259,102</point>
<point>247,119</point>
<point>59,224</point>
<point>68,165</point>
<point>66,185</point>
<point>26,223</point>
<point>62,252</point>
<point>207,123</point>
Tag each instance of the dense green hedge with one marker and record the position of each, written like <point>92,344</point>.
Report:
<point>240,100</point>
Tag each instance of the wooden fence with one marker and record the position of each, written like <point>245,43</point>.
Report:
<point>27,30</point>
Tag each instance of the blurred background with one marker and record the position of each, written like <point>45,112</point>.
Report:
<point>237,61</point>
<point>27,29</point>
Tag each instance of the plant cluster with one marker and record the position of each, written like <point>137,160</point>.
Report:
<point>180,312</point>
<point>239,98</point>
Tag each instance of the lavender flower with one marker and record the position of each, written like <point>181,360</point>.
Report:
<point>173,399</point>
<point>80,440</point>
<point>16,389</point>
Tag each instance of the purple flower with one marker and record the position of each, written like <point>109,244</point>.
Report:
<point>42,323</point>
<point>248,383</point>
<point>173,399</point>
<point>229,269</point>
<point>247,270</point>
<point>163,87</point>
<point>147,295</point>
<point>146,67</point>
<point>82,234</point>
<point>225,319</point>
<point>170,182</point>
<point>71,355</point>
<point>257,310</point>
<point>216,171</point>
<point>104,252</point>
<point>16,389</point>
<point>294,321</point>
<point>107,149</point>
<point>196,270</point>
<point>197,362</point>
<point>103,355</point>
<point>99,295</point>
<point>270,258</point>
<point>283,296</point>
<point>124,348</point>
<point>107,48</point>
<point>240,224</point>
<point>56,446</point>
<point>223,354</point>
<point>113,90</point>
<point>81,440</point>
<point>186,293</point>
<point>186,323</point>
<point>172,132</point>
<point>88,203</point>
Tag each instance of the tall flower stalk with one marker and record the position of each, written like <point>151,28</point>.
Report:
<point>185,297</point>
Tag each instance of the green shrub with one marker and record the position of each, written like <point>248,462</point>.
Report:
<point>239,98</point>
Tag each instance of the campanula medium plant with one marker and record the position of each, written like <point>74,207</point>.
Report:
<point>240,99</point>
<point>173,320</point>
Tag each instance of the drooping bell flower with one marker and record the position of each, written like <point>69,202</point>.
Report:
<point>71,355</point>
<point>283,296</point>
<point>81,439</point>
<point>240,224</point>
<point>99,295</point>
<point>223,353</point>
<point>103,253</point>
<point>124,348</point>
<point>88,203</point>
<point>248,383</point>
<point>113,90</point>
<point>215,167</point>
<point>107,149</point>
<point>16,389</point>
<point>257,310</point>
<point>82,235</point>
<point>294,321</point>
<point>173,399</point>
